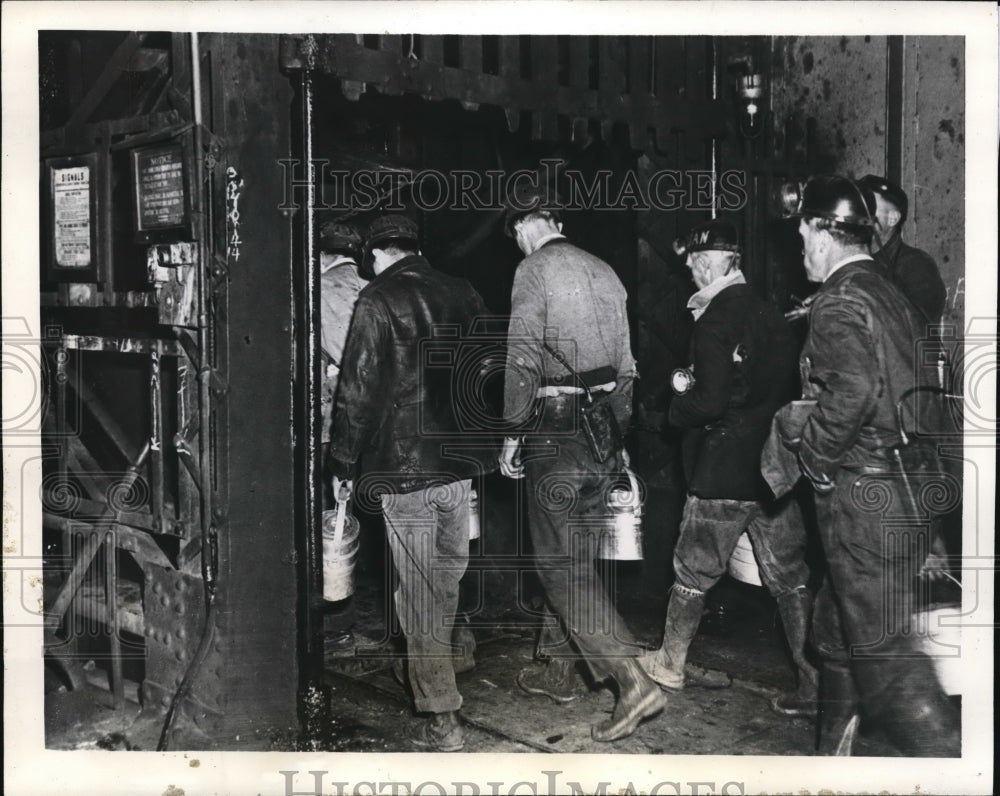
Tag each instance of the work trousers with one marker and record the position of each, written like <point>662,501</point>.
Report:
<point>428,533</point>
<point>711,528</point>
<point>567,512</point>
<point>875,543</point>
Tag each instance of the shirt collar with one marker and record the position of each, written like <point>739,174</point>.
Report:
<point>699,302</point>
<point>546,239</point>
<point>852,259</point>
<point>339,259</point>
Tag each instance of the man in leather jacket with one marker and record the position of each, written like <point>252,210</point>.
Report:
<point>859,363</point>
<point>744,368</point>
<point>397,426</point>
<point>573,302</point>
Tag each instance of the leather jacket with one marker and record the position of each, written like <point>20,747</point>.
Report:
<point>404,416</point>
<point>863,356</point>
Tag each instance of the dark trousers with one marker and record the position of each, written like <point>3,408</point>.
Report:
<point>711,528</point>
<point>566,493</point>
<point>875,544</point>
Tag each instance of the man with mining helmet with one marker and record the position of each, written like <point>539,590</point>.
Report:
<point>395,425</point>
<point>569,306</point>
<point>913,271</point>
<point>744,360</point>
<point>859,363</point>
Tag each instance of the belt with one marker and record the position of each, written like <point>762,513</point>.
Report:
<point>554,391</point>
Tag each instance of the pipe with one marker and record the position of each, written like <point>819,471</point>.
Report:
<point>209,540</point>
<point>312,621</point>
<point>715,140</point>
<point>204,338</point>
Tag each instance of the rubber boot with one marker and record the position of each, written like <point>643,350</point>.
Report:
<point>639,699</point>
<point>795,608</point>
<point>920,720</point>
<point>838,711</point>
<point>666,665</point>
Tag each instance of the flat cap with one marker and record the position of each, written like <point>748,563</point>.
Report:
<point>391,227</point>
<point>887,190</point>
<point>336,236</point>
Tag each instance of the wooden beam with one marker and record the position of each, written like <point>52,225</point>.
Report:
<point>112,71</point>
<point>702,118</point>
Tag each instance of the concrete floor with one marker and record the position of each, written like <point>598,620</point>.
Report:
<point>369,711</point>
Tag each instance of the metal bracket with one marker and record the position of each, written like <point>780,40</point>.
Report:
<point>220,272</point>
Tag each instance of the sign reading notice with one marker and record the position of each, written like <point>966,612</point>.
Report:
<point>160,194</point>
<point>71,212</point>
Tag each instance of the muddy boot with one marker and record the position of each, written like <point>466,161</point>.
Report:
<point>556,680</point>
<point>666,665</point>
<point>839,718</point>
<point>639,698</point>
<point>922,722</point>
<point>442,732</point>
<point>795,608</point>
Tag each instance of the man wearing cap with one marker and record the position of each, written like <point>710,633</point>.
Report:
<point>395,428</point>
<point>568,301</point>
<point>743,369</point>
<point>339,286</point>
<point>912,270</point>
<point>858,362</point>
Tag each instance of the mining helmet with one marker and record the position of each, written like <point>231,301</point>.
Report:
<point>391,227</point>
<point>835,198</point>
<point>714,235</point>
<point>527,198</point>
<point>340,238</point>
<point>887,190</point>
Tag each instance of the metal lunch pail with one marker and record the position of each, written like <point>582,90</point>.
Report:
<point>474,524</point>
<point>622,539</point>
<point>341,538</point>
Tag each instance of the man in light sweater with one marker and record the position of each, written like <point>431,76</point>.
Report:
<point>575,303</point>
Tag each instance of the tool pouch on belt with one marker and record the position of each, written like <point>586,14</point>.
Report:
<point>597,418</point>
<point>601,428</point>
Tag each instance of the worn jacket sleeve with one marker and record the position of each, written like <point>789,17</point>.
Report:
<point>524,370</point>
<point>712,346</point>
<point>361,394</point>
<point>923,285</point>
<point>843,366</point>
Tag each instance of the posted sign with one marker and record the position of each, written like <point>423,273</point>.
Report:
<point>71,214</point>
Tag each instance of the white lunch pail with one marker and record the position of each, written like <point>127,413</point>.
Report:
<point>743,564</point>
<point>341,537</point>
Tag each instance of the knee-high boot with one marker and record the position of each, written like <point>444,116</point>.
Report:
<point>839,706</point>
<point>666,665</point>
<point>795,608</point>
